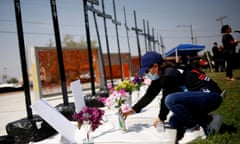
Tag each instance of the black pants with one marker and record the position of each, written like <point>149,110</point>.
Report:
<point>230,61</point>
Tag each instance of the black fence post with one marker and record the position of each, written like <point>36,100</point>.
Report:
<point>129,48</point>
<point>117,23</point>
<point>59,51</point>
<point>85,10</point>
<point>105,16</point>
<point>23,57</point>
<point>137,33</point>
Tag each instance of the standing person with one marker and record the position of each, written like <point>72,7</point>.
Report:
<point>221,58</point>
<point>184,60</point>
<point>216,53</point>
<point>190,106</point>
<point>229,45</point>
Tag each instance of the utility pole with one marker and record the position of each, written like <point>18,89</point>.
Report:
<point>191,30</point>
<point>220,19</point>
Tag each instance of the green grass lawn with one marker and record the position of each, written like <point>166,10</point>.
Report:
<point>230,110</point>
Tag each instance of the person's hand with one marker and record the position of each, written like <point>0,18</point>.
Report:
<point>129,112</point>
<point>157,120</point>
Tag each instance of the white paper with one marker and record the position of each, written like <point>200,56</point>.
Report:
<point>54,118</point>
<point>77,95</point>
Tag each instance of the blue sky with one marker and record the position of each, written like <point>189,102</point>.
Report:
<point>162,15</point>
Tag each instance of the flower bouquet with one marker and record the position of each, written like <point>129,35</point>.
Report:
<point>90,118</point>
<point>120,97</point>
<point>126,85</point>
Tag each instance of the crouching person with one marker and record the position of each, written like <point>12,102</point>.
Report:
<point>187,92</point>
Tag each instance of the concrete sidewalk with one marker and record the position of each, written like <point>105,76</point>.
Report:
<point>13,107</point>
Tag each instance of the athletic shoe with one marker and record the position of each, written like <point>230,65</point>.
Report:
<point>195,128</point>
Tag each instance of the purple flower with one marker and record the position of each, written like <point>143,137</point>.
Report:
<point>138,80</point>
<point>92,115</point>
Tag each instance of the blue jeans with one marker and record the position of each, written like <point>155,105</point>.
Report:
<point>191,108</point>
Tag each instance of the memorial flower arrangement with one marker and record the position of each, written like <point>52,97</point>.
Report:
<point>126,85</point>
<point>90,115</point>
<point>118,95</point>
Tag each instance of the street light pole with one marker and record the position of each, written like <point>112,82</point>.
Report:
<point>191,30</point>
<point>5,75</point>
<point>220,19</point>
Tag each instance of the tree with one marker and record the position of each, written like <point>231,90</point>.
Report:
<point>68,41</point>
<point>12,80</point>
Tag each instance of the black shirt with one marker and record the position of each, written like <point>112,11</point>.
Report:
<point>215,52</point>
<point>172,80</point>
<point>228,46</point>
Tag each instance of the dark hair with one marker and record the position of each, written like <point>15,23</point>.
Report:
<point>224,28</point>
<point>164,64</point>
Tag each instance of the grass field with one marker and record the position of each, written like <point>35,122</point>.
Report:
<point>230,110</point>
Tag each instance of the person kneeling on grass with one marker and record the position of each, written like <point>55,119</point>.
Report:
<point>187,92</point>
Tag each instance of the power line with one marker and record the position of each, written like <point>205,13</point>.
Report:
<point>38,23</point>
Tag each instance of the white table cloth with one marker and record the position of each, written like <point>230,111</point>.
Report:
<point>139,130</point>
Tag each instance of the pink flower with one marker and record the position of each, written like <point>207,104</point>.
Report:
<point>123,93</point>
<point>147,81</point>
<point>111,88</point>
<point>125,108</point>
<point>102,99</point>
<point>119,94</point>
<point>109,102</point>
<point>114,94</point>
